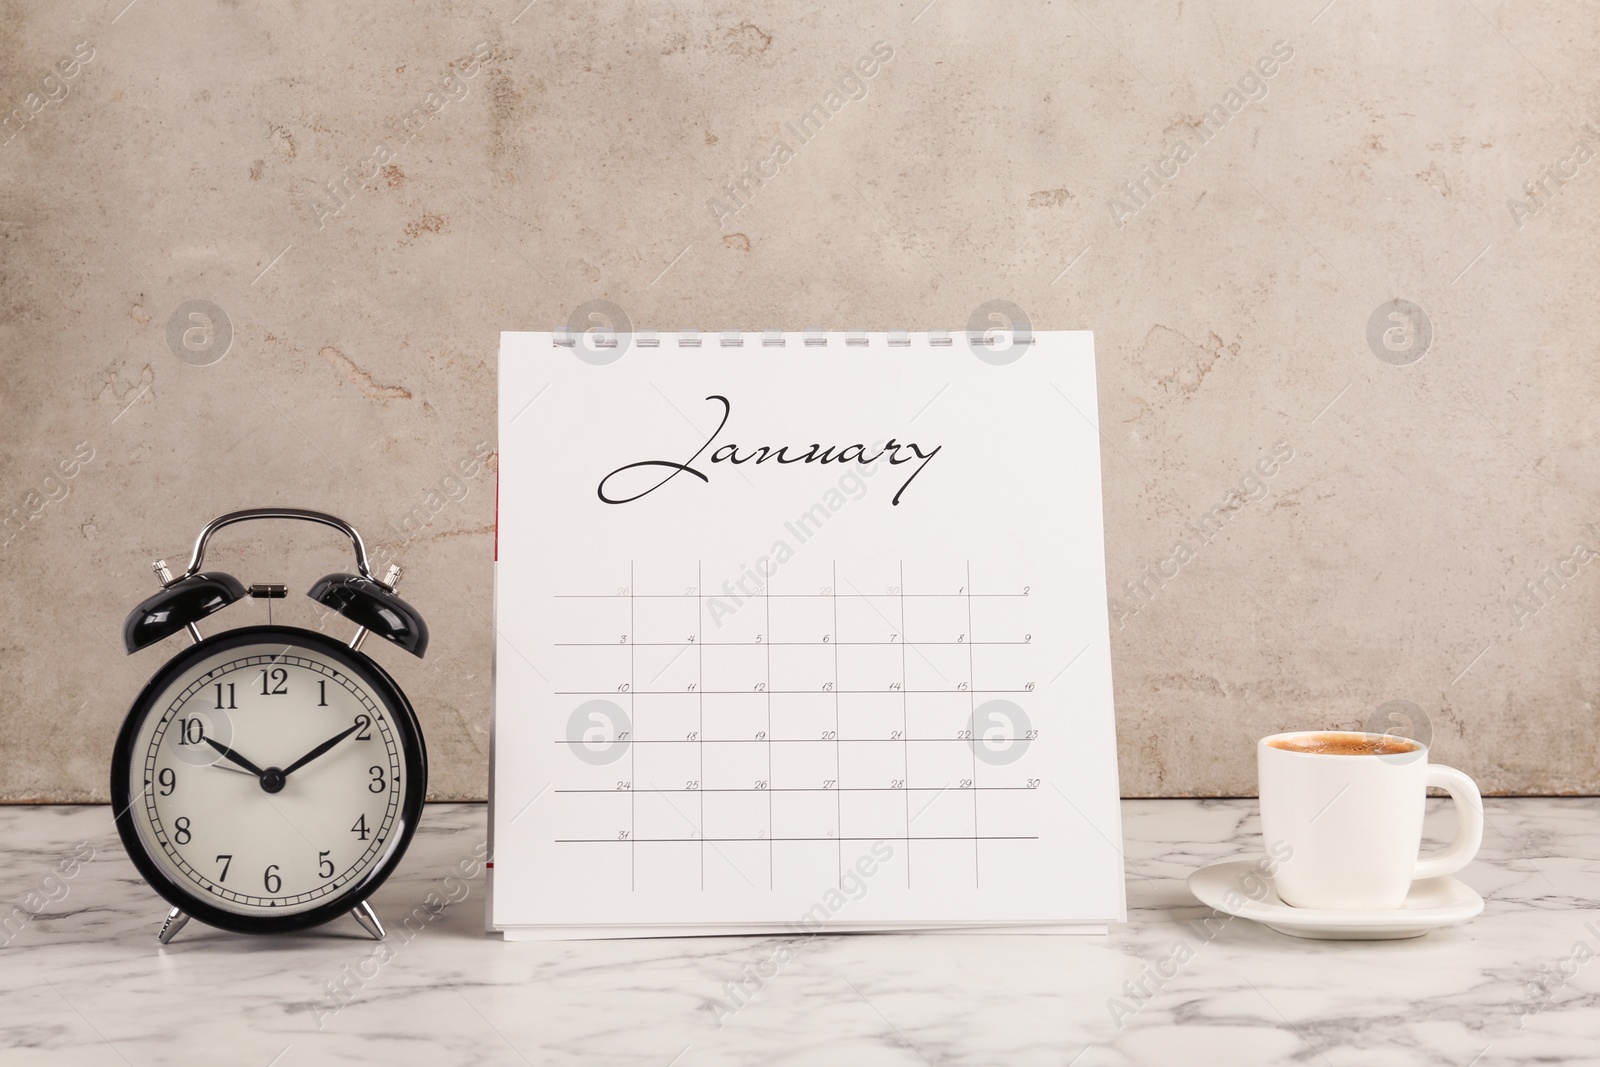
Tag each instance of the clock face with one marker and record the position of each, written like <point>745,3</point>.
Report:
<point>270,778</point>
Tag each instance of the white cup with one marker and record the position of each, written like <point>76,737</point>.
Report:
<point>1354,822</point>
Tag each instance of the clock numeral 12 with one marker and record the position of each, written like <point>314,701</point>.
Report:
<point>279,680</point>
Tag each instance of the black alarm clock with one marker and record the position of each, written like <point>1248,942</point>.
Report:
<point>269,778</point>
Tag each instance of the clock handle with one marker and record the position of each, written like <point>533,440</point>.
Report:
<point>276,513</point>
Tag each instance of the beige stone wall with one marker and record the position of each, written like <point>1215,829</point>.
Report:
<point>188,156</point>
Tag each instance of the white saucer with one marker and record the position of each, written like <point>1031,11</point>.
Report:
<point>1431,904</point>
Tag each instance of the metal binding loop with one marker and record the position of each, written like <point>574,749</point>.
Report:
<point>274,513</point>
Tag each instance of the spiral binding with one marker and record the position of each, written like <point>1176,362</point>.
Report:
<point>564,337</point>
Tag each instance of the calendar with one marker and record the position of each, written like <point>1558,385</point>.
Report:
<point>800,633</point>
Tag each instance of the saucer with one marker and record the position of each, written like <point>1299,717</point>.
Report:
<point>1431,904</point>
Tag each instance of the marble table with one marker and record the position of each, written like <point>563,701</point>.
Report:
<point>84,981</point>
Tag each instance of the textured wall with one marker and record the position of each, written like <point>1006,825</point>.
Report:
<point>1320,508</point>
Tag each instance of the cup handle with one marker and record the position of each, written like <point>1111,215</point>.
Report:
<point>1469,824</point>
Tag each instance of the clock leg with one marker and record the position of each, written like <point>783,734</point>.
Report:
<point>363,914</point>
<point>175,922</point>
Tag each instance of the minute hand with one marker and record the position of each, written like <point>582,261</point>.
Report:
<point>319,750</point>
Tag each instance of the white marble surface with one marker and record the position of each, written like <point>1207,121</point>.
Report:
<point>84,981</point>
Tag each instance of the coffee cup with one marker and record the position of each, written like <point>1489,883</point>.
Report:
<point>1349,807</point>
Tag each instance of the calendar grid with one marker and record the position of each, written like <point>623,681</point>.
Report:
<point>972,703</point>
<point>780,692</point>
<point>830,837</point>
<point>766,598</point>
<point>793,644</point>
<point>700,691</point>
<point>905,721</point>
<point>813,789</point>
<point>779,596</point>
<point>787,740</point>
<point>838,798</point>
<point>917,736</point>
<point>633,714</point>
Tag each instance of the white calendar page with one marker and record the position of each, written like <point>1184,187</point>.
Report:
<point>800,636</point>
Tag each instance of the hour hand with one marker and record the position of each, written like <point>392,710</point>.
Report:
<point>319,750</point>
<point>233,757</point>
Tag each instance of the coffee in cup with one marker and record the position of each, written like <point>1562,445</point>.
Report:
<point>1349,806</point>
<point>1345,744</point>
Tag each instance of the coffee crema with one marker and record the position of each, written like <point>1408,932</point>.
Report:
<point>1336,744</point>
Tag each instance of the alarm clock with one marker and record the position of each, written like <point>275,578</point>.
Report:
<point>269,778</point>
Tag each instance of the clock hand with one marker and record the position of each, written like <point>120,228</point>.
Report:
<point>319,750</point>
<point>234,757</point>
